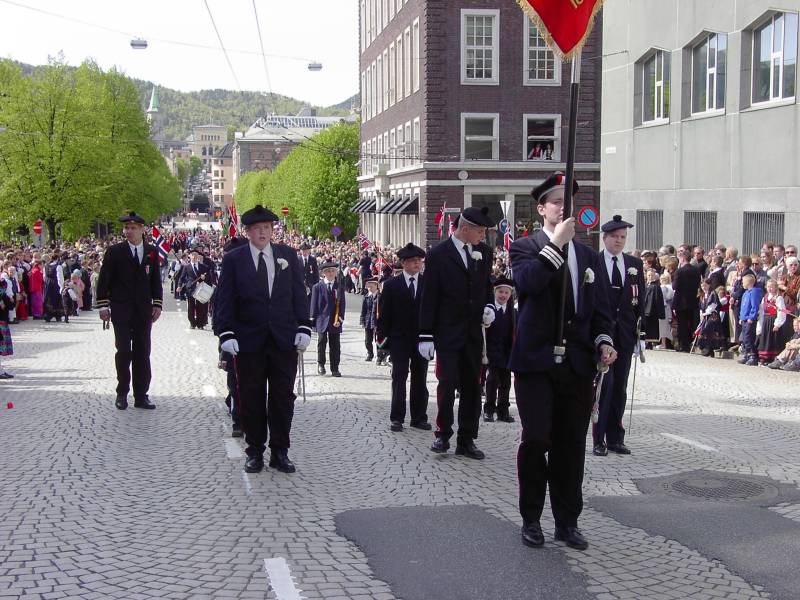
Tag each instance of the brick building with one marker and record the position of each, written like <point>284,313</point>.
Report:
<point>463,105</point>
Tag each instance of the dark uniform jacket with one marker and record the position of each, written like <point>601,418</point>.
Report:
<point>190,277</point>
<point>368,309</point>
<point>453,297</point>
<point>244,311</point>
<point>323,306</point>
<point>686,285</point>
<point>624,311</point>
<point>537,275</point>
<point>310,271</point>
<point>126,286</point>
<point>398,314</point>
<point>500,335</point>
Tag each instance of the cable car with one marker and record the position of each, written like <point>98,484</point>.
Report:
<point>138,44</point>
<point>315,66</point>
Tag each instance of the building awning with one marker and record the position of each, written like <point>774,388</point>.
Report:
<point>360,205</point>
<point>369,206</point>
<point>390,205</point>
<point>408,206</point>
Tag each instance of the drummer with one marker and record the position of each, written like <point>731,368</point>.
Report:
<point>192,275</point>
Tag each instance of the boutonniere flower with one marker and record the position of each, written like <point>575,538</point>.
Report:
<point>634,302</point>
<point>476,255</point>
<point>633,271</point>
<point>588,276</point>
<point>283,263</point>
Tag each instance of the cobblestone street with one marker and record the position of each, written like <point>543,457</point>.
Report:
<point>99,503</point>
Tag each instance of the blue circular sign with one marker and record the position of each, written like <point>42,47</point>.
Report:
<point>336,231</point>
<point>588,217</point>
<point>503,226</point>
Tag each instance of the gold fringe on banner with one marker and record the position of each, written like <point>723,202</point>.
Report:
<point>545,33</point>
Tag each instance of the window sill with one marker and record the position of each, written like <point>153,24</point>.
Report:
<point>541,83</point>
<point>479,82</point>
<point>706,114</point>
<point>656,123</point>
<point>769,104</point>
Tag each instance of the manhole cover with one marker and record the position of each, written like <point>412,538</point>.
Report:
<point>718,487</point>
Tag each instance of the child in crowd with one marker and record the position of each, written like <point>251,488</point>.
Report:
<point>711,332</point>
<point>76,284</point>
<point>748,317</point>
<point>499,336</point>
<point>6,344</point>
<point>653,307</point>
<point>771,319</point>
<point>382,352</point>
<point>724,314</point>
<point>369,315</point>
<point>665,324</point>
<point>788,359</point>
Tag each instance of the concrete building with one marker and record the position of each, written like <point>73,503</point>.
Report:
<point>205,142</point>
<point>462,104</point>
<point>700,127</point>
<point>222,177</point>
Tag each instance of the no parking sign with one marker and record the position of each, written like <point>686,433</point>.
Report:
<point>588,217</point>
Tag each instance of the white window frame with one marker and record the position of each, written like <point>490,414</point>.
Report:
<point>407,60</point>
<point>392,149</point>
<point>416,58</point>
<point>495,134</point>
<point>526,80</point>
<point>556,117</point>
<point>391,10</point>
<point>658,91</point>
<point>385,156</point>
<point>385,79</point>
<point>378,17</point>
<point>490,12</point>
<point>399,71</point>
<point>392,78</point>
<point>710,74</point>
<point>374,98</point>
<point>379,91</point>
<point>408,145</point>
<point>774,55</point>
<point>400,146</point>
<point>417,136</point>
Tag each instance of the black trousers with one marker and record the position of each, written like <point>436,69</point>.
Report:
<point>198,312</point>
<point>498,388</point>
<point>405,359</point>
<point>132,340</point>
<point>369,337</point>
<point>458,369</point>
<point>266,382</point>
<point>687,323</point>
<point>554,407</point>
<point>335,338</point>
<point>613,398</point>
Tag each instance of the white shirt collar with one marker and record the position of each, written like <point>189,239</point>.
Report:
<point>459,244</point>
<point>408,278</point>
<point>501,306</point>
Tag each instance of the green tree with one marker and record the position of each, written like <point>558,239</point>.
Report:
<point>195,165</point>
<point>183,170</point>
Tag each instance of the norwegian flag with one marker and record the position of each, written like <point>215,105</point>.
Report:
<point>233,219</point>
<point>452,227</point>
<point>438,220</point>
<point>508,239</point>
<point>363,241</point>
<point>160,243</point>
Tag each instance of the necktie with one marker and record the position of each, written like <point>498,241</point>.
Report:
<point>501,311</point>
<point>468,255</point>
<point>616,278</point>
<point>411,288</point>
<point>136,254</point>
<point>330,287</point>
<point>263,276</point>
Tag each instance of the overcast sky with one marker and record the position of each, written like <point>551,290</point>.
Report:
<point>306,30</point>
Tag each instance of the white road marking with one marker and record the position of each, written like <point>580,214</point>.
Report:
<point>684,440</point>
<point>248,489</point>
<point>192,343</point>
<point>198,360</point>
<point>280,579</point>
<point>233,449</point>
<point>209,391</point>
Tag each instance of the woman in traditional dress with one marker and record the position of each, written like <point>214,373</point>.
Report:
<point>36,287</point>
<point>770,327</point>
<point>712,336</point>
<point>53,300</point>
<point>653,307</point>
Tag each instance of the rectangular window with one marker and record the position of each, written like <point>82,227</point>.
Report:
<point>655,88</point>
<point>399,68</point>
<point>417,141</point>
<point>479,136</point>
<point>708,73</point>
<point>363,19</point>
<point>379,17</point>
<point>392,81</point>
<point>409,145</point>
<point>775,58</point>
<point>542,137</point>
<point>759,227</point>
<point>379,91</point>
<point>649,229</point>
<point>400,147</point>
<point>700,228</point>
<point>385,156</point>
<point>391,9</point>
<point>407,61</point>
<point>480,46</point>
<point>364,95</point>
<point>385,78</point>
<point>416,57</point>
<point>542,66</point>
<point>392,150</point>
<point>374,90</point>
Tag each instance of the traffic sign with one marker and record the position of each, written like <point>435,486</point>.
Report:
<point>336,231</point>
<point>588,217</point>
<point>285,211</point>
<point>503,226</point>
<point>37,227</point>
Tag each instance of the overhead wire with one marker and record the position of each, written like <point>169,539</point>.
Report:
<point>264,58</point>
<point>221,45</point>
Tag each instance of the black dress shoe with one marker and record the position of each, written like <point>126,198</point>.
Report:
<point>396,426</point>
<point>532,534</point>
<point>600,450</point>
<point>440,445</point>
<point>369,359</point>
<point>572,537</point>
<point>424,425</point>
<point>279,459</point>
<point>321,369</point>
<point>254,464</point>
<point>121,402</point>
<point>488,417</point>
<point>619,448</point>
<point>237,431</point>
<point>335,373</point>
<point>143,403</point>
<point>505,418</point>
<point>470,450</point>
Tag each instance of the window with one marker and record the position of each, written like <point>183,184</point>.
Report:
<point>700,228</point>
<point>415,56</point>
<point>379,17</point>
<point>409,145</point>
<point>364,96</point>
<point>367,92</point>
<point>542,67</point>
<point>407,60</point>
<point>480,46</point>
<point>392,150</point>
<point>479,137</point>
<point>655,88</point>
<point>363,158</point>
<point>400,148</point>
<point>542,137</point>
<point>363,25</point>
<point>391,9</point>
<point>417,141</point>
<point>385,78</point>
<point>649,229</point>
<point>708,73</point>
<point>374,89</point>
<point>775,58</point>
<point>385,156</point>
<point>379,94</point>
<point>761,226</point>
<point>392,82</point>
<point>399,68</point>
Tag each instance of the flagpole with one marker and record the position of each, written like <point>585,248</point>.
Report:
<point>559,351</point>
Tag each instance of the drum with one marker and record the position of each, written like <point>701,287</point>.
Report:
<point>203,292</point>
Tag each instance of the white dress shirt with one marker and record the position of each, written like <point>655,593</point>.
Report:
<point>416,281</point>
<point>139,250</point>
<point>608,257</point>
<point>268,259</point>
<point>460,247</point>
<point>573,267</point>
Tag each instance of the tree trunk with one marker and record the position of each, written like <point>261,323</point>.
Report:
<point>51,228</point>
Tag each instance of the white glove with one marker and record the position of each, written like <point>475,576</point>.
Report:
<point>426,350</point>
<point>488,316</point>
<point>230,346</point>
<point>301,341</point>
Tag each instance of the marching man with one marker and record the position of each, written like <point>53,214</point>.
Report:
<point>261,318</point>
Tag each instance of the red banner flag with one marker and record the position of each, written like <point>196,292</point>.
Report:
<point>564,24</point>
